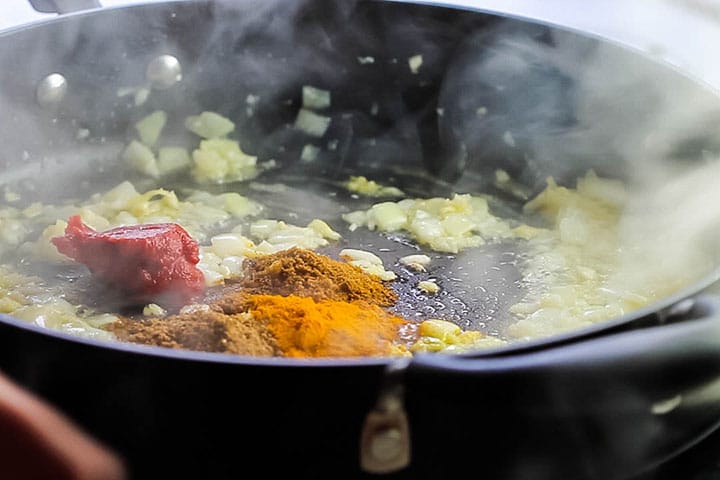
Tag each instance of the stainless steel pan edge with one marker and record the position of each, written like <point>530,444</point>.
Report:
<point>63,6</point>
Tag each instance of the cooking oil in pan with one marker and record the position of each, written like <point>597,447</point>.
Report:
<point>576,272</point>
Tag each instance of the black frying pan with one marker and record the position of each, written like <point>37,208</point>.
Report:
<point>605,402</point>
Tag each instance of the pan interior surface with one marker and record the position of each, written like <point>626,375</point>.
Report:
<point>435,102</point>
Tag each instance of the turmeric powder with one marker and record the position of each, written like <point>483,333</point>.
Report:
<point>303,327</point>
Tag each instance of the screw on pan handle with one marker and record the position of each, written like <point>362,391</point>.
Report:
<point>63,6</point>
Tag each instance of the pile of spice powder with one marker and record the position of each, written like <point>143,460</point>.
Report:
<point>203,330</point>
<point>291,303</point>
<point>308,274</point>
<point>304,327</point>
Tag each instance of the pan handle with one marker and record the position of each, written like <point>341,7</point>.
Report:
<point>63,6</point>
<point>604,408</point>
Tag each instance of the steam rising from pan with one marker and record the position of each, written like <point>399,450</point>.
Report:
<point>538,101</point>
<point>541,102</point>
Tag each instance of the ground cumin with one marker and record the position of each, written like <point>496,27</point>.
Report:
<point>292,303</point>
<point>206,331</point>
<point>308,274</point>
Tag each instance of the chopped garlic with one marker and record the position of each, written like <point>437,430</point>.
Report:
<point>153,310</point>
<point>315,98</point>
<point>141,96</point>
<point>371,188</point>
<point>416,262</point>
<point>123,205</point>
<point>428,286</point>
<point>504,182</point>
<point>25,298</point>
<point>352,254</point>
<point>141,158</point>
<point>209,125</point>
<point>231,244</point>
<point>279,235</point>
<point>415,62</point>
<point>309,153</point>
<point>323,229</point>
<point>172,159</point>
<point>501,176</point>
<point>194,308</point>
<point>10,195</point>
<point>583,270</point>
<point>220,160</point>
<point>443,336</point>
<point>389,216</point>
<point>368,262</point>
<point>445,224</point>
<point>150,127</point>
<point>312,123</point>
<point>44,249</point>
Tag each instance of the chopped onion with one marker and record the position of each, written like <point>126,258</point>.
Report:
<point>315,98</point>
<point>172,160</point>
<point>415,62</point>
<point>209,125</point>
<point>362,185</point>
<point>428,286</point>
<point>150,127</point>
<point>309,153</point>
<point>220,160</point>
<point>141,96</point>
<point>141,158</point>
<point>416,262</point>
<point>368,262</point>
<point>312,123</point>
<point>153,310</point>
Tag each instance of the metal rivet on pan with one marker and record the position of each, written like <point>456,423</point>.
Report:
<point>164,71</point>
<point>385,440</point>
<point>51,90</point>
<point>387,444</point>
<point>385,435</point>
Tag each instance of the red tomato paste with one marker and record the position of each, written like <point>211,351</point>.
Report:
<point>153,262</point>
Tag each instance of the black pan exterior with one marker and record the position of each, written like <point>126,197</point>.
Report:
<point>606,408</point>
